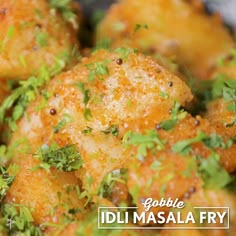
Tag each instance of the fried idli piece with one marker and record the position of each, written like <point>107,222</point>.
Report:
<point>207,198</point>
<point>51,194</point>
<point>178,30</point>
<point>221,110</point>
<point>33,34</point>
<point>96,103</point>
<point>217,112</point>
<point>173,172</point>
<point>178,174</point>
<point>88,226</point>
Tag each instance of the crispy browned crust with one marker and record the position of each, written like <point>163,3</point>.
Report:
<point>176,29</point>
<point>23,24</point>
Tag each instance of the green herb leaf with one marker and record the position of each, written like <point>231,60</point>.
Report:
<point>168,124</point>
<point>64,6</point>
<point>88,130</point>
<point>97,70</point>
<point>42,39</point>
<point>231,124</point>
<point>65,120</point>
<point>19,221</point>
<point>113,129</point>
<point>7,177</point>
<point>216,141</point>
<point>19,98</point>
<point>213,174</point>
<point>140,26</point>
<point>86,92</point>
<point>183,147</point>
<point>164,95</point>
<point>229,95</point>
<point>107,184</point>
<point>213,141</point>
<point>87,113</point>
<point>148,141</point>
<point>65,159</point>
<point>125,52</point>
<point>176,115</point>
<point>10,32</point>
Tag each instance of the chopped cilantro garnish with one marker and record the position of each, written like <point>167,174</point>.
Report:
<point>164,95</point>
<point>97,70</point>
<point>150,141</point>
<point>176,115</point>
<point>65,120</point>
<point>213,174</point>
<point>9,151</point>
<point>22,61</point>
<point>229,95</point>
<point>88,130</point>
<point>168,124</point>
<point>125,52</point>
<point>64,6</point>
<point>86,93</point>
<point>42,39</point>
<point>19,98</point>
<point>7,177</point>
<point>156,165</point>
<point>213,141</point>
<point>18,220</point>
<point>220,82</point>
<point>113,129</point>
<point>87,113</point>
<point>224,60</point>
<point>106,186</point>
<point>9,35</point>
<point>10,32</point>
<point>232,123</point>
<point>140,26</point>
<point>224,87</point>
<point>66,158</point>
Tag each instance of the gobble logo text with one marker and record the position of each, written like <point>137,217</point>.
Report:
<point>173,215</point>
